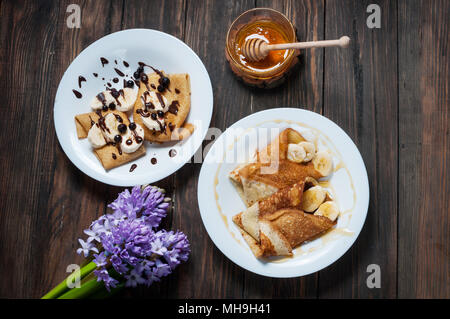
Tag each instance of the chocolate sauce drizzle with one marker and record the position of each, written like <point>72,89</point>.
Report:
<point>119,72</point>
<point>172,153</point>
<point>104,61</point>
<point>118,118</point>
<point>77,94</point>
<point>173,107</point>
<point>160,99</point>
<point>133,167</point>
<point>154,161</point>
<point>143,113</point>
<point>80,80</point>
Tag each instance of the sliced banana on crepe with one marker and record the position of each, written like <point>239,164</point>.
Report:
<point>323,163</point>
<point>296,153</point>
<point>310,150</point>
<point>328,209</point>
<point>126,99</point>
<point>111,124</point>
<point>313,198</point>
<point>95,136</point>
<point>301,152</point>
<point>132,139</point>
<point>123,99</point>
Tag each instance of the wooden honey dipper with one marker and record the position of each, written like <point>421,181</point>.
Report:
<point>258,49</point>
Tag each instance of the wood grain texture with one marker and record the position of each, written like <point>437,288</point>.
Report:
<point>388,91</point>
<point>424,162</point>
<point>360,95</point>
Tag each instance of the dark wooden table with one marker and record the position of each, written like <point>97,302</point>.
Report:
<point>388,91</point>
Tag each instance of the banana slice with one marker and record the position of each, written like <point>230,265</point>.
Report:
<point>328,209</point>
<point>95,136</point>
<point>123,99</point>
<point>103,98</point>
<point>157,101</point>
<point>312,198</point>
<point>310,150</point>
<point>111,125</point>
<point>153,122</point>
<point>295,153</point>
<point>126,99</point>
<point>323,163</point>
<point>132,140</point>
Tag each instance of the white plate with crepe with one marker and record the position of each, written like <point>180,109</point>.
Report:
<point>129,47</point>
<point>219,199</point>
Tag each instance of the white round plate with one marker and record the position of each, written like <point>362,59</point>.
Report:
<point>154,48</point>
<point>219,200</point>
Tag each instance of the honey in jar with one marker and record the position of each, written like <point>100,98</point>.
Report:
<point>272,27</point>
<point>269,32</point>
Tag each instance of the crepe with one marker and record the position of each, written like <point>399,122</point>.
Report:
<point>110,156</point>
<point>272,188</point>
<point>178,90</point>
<point>289,197</point>
<point>272,171</point>
<point>275,225</point>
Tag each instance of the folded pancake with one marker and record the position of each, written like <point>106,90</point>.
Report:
<point>178,95</point>
<point>110,155</point>
<point>272,171</point>
<point>289,197</point>
<point>284,230</point>
<point>290,228</point>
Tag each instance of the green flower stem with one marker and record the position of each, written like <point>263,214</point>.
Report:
<point>86,289</point>
<point>103,293</point>
<point>62,287</point>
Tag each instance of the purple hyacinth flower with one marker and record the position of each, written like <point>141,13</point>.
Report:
<point>129,243</point>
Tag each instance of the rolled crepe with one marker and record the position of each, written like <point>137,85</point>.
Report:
<point>110,156</point>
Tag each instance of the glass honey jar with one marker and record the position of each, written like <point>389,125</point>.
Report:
<point>272,27</point>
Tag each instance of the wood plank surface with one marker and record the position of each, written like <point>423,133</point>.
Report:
<point>424,159</point>
<point>388,91</point>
